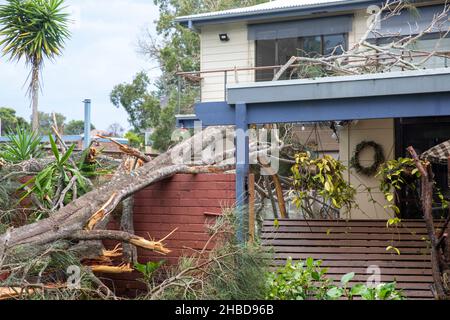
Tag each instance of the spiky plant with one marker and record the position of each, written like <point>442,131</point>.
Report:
<point>33,30</point>
<point>23,145</point>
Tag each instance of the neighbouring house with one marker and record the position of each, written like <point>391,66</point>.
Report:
<point>242,49</point>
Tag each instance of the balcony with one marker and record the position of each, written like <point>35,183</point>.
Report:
<point>230,78</point>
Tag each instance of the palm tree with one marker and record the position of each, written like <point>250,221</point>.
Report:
<point>33,30</point>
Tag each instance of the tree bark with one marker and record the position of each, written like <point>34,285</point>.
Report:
<point>34,91</point>
<point>427,205</point>
<point>68,221</point>
<point>127,224</point>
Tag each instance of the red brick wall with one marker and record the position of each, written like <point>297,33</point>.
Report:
<point>187,202</point>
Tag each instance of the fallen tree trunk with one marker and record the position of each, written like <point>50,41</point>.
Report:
<point>71,221</point>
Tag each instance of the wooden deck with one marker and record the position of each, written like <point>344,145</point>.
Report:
<point>354,245</point>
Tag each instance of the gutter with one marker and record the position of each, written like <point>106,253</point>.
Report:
<point>192,21</point>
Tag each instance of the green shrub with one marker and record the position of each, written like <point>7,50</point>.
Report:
<point>23,144</point>
<point>307,280</point>
<point>383,291</point>
<point>49,184</point>
<point>230,271</point>
<point>298,281</point>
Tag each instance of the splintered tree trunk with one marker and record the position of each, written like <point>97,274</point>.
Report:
<point>73,221</point>
<point>127,224</point>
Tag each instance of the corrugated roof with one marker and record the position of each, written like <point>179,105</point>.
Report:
<point>272,6</point>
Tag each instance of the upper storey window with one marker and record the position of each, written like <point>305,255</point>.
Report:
<point>277,42</point>
<point>278,52</point>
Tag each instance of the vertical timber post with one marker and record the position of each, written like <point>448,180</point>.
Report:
<point>242,167</point>
<point>87,123</point>
<point>251,207</point>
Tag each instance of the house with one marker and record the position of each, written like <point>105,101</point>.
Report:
<point>242,49</point>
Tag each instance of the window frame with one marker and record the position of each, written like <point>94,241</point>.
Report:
<point>300,42</point>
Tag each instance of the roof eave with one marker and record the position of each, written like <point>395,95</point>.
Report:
<point>193,21</point>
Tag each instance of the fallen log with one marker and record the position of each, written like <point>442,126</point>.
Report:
<point>74,221</point>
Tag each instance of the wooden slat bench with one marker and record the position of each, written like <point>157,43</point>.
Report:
<point>354,245</point>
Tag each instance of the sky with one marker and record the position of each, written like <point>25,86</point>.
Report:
<point>101,53</point>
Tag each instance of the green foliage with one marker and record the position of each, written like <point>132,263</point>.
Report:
<point>402,174</point>
<point>135,140</point>
<point>396,174</point>
<point>180,49</point>
<point>383,291</point>
<point>307,280</point>
<point>148,269</point>
<point>240,276</point>
<point>48,184</point>
<point>46,264</point>
<point>230,271</point>
<point>75,127</point>
<point>10,122</point>
<point>7,201</point>
<point>46,122</point>
<point>176,49</point>
<point>23,145</point>
<point>33,29</point>
<point>136,98</point>
<point>162,135</point>
<point>323,176</point>
<point>298,281</point>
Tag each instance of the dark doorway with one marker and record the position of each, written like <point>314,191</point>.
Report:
<point>422,134</point>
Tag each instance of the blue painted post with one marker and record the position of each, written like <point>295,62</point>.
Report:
<point>242,166</point>
<point>87,123</point>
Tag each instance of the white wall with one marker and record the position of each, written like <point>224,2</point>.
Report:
<point>239,52</point>
<point>382,132</point>
<point>215,54</point>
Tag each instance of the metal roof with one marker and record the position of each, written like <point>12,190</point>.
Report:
<point>277,6</point>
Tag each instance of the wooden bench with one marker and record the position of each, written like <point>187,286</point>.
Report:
<point>354,245</point>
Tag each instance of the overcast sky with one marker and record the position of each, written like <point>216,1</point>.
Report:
<point>100,54</point>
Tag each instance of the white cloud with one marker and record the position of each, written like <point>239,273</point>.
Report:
<point>100,54</point>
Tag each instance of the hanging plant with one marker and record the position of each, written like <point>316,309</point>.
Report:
<point>378,159</point>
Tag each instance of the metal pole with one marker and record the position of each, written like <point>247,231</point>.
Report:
<point>225,84</point>
<point>87,123</point>
<point>179,94</point>
<point>242,168</point>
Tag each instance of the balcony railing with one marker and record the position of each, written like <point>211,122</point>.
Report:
<point>196,77</point>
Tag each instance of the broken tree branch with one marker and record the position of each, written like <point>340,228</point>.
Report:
<point>427,203</point>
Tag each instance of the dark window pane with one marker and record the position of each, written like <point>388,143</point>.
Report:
<point>312,46</point>
<point>286,49</point>
<point>333,44</point>
<point>265,56</point>
<point>423,134</point>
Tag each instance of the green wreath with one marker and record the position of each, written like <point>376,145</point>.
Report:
<point>378,160</point>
